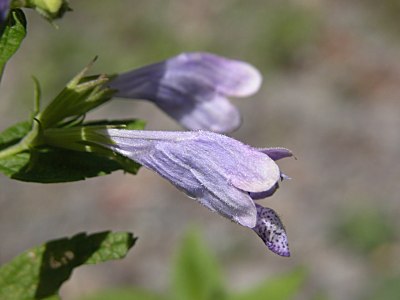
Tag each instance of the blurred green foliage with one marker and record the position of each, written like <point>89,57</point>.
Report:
<point>196,276</point>
<point>196,273</point>
<point>372,234</point>
<point>386,289</point>
<point>365,230</point>
<point>387,13</point>
<point>278,288</point>
<point>286,32</point>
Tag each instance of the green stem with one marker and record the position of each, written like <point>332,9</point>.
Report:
<point>13,150</point>
<point>30,140</point>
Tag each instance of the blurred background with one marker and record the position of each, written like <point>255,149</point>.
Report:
<point>331,94</point>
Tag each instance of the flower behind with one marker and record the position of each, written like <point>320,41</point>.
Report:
<point>4,8</point>
<point>192,88</point>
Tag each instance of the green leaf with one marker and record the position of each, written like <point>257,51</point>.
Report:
<point>196,274</point>
<point>51,164</point>
<point>39,272</point>
<point>124,294</point>
<point>278,288</point>
<point>58,165</point>
<point>12,37</point>
<point>13,134</point>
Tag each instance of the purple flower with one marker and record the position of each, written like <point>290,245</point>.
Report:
<point>193,89</point>
<point>223,174</point>
<point>4,7</point>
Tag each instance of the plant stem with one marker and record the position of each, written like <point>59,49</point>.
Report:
<point>14,149</point>
<point>30,140</point>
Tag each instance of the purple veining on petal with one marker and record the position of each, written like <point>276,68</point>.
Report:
<point>271,230</point>
<point>192,88</point>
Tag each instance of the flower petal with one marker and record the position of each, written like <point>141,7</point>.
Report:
<point>227,201</point>
<point>265,194</point>
<point>229,77</point>
<point>262,175</point>
<point>217,114</point>
<point>271,230</point>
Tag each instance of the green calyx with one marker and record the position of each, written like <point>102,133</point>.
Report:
<point>57,145</point>
<point>81,95</point>
<point>81,138</point>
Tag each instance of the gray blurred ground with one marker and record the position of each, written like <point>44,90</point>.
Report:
<point>331,94</point>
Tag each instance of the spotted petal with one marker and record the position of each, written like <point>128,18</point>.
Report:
<point>271,230</point>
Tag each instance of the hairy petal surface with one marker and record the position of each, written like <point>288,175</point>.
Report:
<point>192,88</point>
<point>217,170</point>
<point>271,230</point>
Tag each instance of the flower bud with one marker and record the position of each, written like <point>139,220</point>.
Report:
<point>50,9</point>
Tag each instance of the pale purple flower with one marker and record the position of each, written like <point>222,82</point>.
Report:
<point>223,174</point>
<point>193,89</point>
